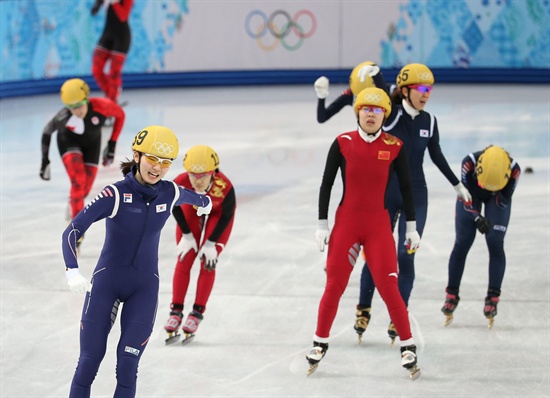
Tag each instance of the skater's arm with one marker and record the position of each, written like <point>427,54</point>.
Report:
<point>228,212</point>
<point>401,166</point>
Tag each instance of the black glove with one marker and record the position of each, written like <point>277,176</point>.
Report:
<point>96,7</point>
<point>501,200</point>
<point>45,169</point>
<point>109,153</point>
<point>483,224</point>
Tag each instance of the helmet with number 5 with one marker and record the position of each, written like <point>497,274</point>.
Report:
<point>414,74</point>
<point>373,96</point>
<point>157,140</point>
<point>493,168</point>
<point>74,92</point>
<point>201,159</point>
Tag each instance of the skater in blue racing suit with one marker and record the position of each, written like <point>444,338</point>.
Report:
<point>135,210</point>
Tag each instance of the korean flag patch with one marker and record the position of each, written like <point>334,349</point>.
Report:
<point>127,198</point>
<point>424,133</point>
<point>161,208</point>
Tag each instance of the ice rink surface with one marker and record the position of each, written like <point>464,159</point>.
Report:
<point>262,313</point>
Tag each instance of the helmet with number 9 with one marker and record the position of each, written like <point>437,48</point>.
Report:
<point>201,159</point>
<point>355,84</point>
<point>373,96</point>
<point>414,74</point>
<point>157,140</point>
<point>493,168</point>
<point>74,92</point>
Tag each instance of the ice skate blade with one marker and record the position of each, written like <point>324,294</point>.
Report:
<point>448,320</point>
<point>491,321</point>
<point>312,369</point>
<point>187,338</point>
<point>392,341</point>
<point>173,337</point>
<point>360,338</point>
<point>414,373</point>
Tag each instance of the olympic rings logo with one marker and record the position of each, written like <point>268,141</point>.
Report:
<point>197,168</point>
<point>372,98</point>
<point>280,31</point>
<point>163,148</point>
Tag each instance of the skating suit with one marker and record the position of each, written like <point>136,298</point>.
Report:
<point>80,147</point>
<point>114,45</point>
<point>498,207</point>
<point>418,135</point>
<point>218,229</point>
<point>362,220</point>
<point>126,272</point>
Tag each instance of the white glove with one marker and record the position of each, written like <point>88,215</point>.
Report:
<point>367,70</point>
<point>206,209</point>
<point>210,254</point>
<point>187,242</point>
<point>322,234</point>
<point>77,283</point>
<point>321,87</point>
<point>462,191</point>
<point>412,238</point>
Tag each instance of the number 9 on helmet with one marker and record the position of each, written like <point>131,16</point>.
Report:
<point>493,168</point>
<point>157,140</point>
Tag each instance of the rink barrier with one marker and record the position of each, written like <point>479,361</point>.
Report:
<point>275,77</point>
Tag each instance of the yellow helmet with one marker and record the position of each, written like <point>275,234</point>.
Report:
<point>373,96</point>
<point>355,84</point>
<point>157,140</point>
<point>201,159</point>
<point>74,92</point>
<point>414,74</point>
<point>493,168</point>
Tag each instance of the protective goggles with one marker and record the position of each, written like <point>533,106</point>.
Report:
<point>375,109</point>
<point>201,175</point>
<point>422,88</point>
<point>77,105</point>
<point>154,160</point>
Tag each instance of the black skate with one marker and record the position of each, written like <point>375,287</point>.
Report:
<point>172,325</point>
<point>362,321</point>
<point>392,333</point>
<point>408,361</point>
<point>451,302</point>
<point>490,309</point>
<point>315,355</point>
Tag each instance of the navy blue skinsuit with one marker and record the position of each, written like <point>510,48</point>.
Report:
<point>417,134</point>
<point>498,207</point>
<point>126,272</point>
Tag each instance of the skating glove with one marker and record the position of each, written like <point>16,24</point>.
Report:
<point>483,224</point>
<point>321,87</point>
<point>322,234</point>
<point>412,238</point>
<point>501,200</point>
<point>206,209</point>
<point>187,242</point>
<point>77,283</point>
<point>463,193</point>
<point>367,70</point>
<point>109,153</point>
<point>210,254</point>
<point>45,169</point>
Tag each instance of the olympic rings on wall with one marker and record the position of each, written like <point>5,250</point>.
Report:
<point>279,32</point>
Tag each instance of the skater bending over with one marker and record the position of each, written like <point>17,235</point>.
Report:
<point>366,158</point>
<point>202,237</point>
<point>135,210</point>
<point>491,176</point>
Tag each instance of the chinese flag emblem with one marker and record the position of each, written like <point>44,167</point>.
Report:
<point>383,155</point>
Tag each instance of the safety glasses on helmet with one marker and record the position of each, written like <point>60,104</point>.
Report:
<point>77,105</point>
<point>421,88</point>
<point>201,175</point>
<point>154,160</point>
<point>375,109</point>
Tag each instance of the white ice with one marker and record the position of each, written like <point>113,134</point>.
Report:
<point>262,313</point>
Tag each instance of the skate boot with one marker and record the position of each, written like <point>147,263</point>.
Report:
<point>451,302</point>
<point>392,333</point>
<point>172,325</point>
<point>315,355</point>
<point>490,309</point>
<point>408,361</point>
<point>362,321</point>
<point>191,325</point>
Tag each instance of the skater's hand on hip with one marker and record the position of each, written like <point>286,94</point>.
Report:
<point>412,237</point>
<point>77,283</point>
<point>322,235</point>
<point>187,243</point>
<point>210,254</point>
<point>45,170</point>
<point>483,225</point>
